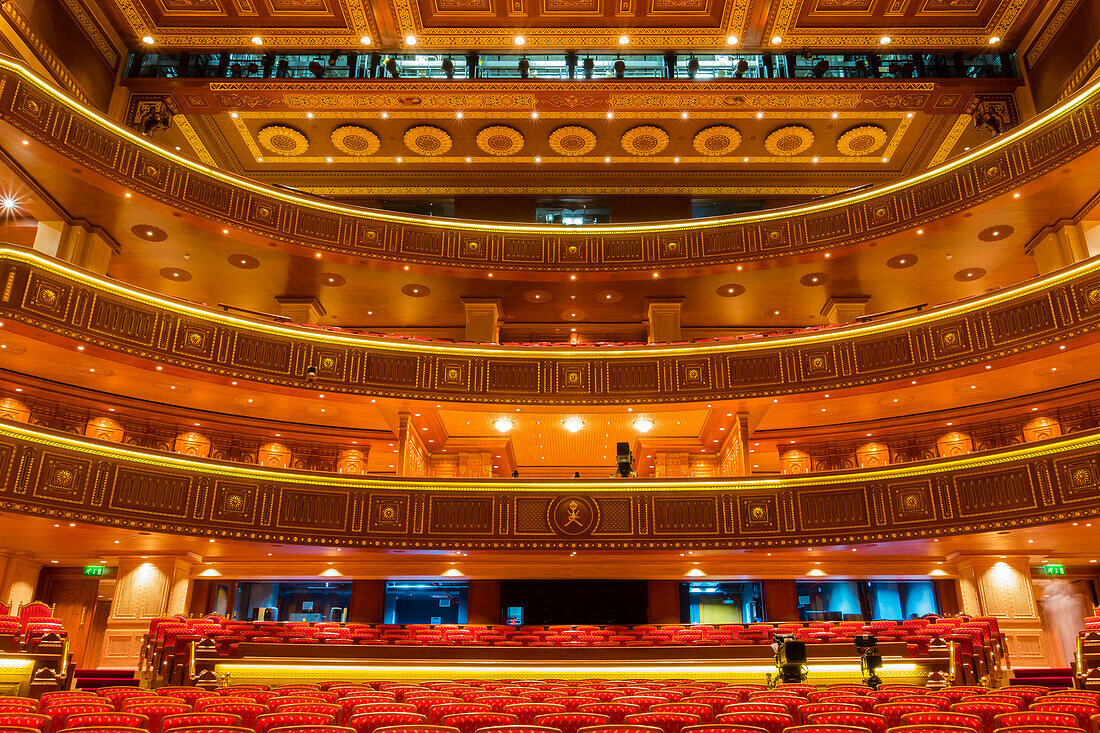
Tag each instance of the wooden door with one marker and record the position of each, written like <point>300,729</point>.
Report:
<point>74,600</point>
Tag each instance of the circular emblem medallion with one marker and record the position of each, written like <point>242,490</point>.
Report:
<point>572,515</point>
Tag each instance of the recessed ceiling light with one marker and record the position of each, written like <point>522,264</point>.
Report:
<point>365,40</point>
<point>623,40</point>
<point>885,40</point>
<point>257,41</point>
<point>643,425</point>
<point>410,40</point>
<point>776,40</point>
<point>147,40</point>
<point>731,40</point>
<point>503,425</point>
<point>572,424</point>
<point>519,40</point>
<point>994,40</point>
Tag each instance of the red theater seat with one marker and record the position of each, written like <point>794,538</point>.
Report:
<point>473,721</point>
<point>189,720</point>
<point>571,722</point>
<point>772,722</point>
<point>942,717</point>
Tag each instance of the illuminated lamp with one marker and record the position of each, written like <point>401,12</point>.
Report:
<point>643,425</point>
<point>572,424</point>
<point>503,425</point>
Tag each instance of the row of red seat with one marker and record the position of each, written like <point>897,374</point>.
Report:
<point>22,630</point>
<point>978,640</point>
<point>554,706</point>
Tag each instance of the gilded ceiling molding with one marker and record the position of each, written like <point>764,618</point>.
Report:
<point>572,140</point>
<point>500,140</point>
<point>188,131</point>
<point>71,478</point>
<point>1050,30</point>
<point>783,23</point>
<point>1038,315</point>
<point>789,141</point>
<point>644,140</point>
<point>355,140</point>
<point>961,124</point>
<point>862,140</point>
<point>566,190</point>
<point>427,140</point>
<point>993,170</point>
<point>717,140</point>
<point>283,140</point>
<point>360,22</point>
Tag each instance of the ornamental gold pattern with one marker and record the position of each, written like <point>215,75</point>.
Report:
<point>283,140</point>
<point>644,140</point>
<point>500,140</point>
<point>355,140</point>
<point>789,140</point>
<point>717,140</point>
<point>862,140</point>
<point>46,115</point>
<point>572,140</point>
<point>1011,322</point>
<point>428,140</point>
<point>70,478</point>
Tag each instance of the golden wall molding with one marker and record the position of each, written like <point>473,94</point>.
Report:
<point>48,295</point>
<point>70,478</point>
<point>994,170</point>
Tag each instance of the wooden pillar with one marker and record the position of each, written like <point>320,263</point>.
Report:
<point>368,601</point>
<point>483,602</point>
<point>1000,586</point>
<point>79,243</point>
<point>301,309</point>
<point>841,309</point>
<point>664,602</point>
<point>780,600</point>
<point>483,316</point>
<point>146,588</point>
<point>20,578</point>
<point>663,320</point>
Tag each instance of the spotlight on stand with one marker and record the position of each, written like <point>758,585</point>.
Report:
<point>624,460</point>
<point>620,68</point>
<point>870,660</point>
<point>524,67</point>
<point>790,661</point>
<point>589,67</point>
<point>391,66</point>
<point>742,67</point>
<point>449,67</point>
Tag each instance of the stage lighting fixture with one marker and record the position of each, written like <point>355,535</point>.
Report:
<point>693,67</point>
<point>449,67</point>
<point>620,68</point>
<point>589,67</point>
<point>524,67</point>
<point>870,660</point>
<point>790,661</point>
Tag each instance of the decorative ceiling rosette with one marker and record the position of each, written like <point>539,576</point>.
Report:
<point>572,140</point>
<point>283,140</point>
<point>644,140</point>
<point>862,140</point>
<point>500,140</point>
<point>717,140</point>
<point>355,140</point>
<point>790,140</point>
<point>427,140</point>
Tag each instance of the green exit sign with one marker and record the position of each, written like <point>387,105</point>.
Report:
<point>95,570</point>
<point>1054,570</point>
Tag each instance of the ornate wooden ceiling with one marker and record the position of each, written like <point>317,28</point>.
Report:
<point>367,138</point>
<point>572,24</point>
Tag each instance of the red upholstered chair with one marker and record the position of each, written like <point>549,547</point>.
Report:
<point>811,708</point>
<point>370,721</point>
<point>1039,729</point>
<point>518,728</point>
<point>247,711</point>
<point>107,720</point>
<point>269,721</point>
<point>944,717</point>
<point>824,728</point>
<point>213,729</point>
<point>669,722</point>
<point>644,702</point>
<point>722,728</point>
<point>36,721</point>
<point>616,712</point>
<point>103,729</point>
<point>1082,711</point>
<point>15,704</point>
<point>527,712</point>
<point>705,713</point>
<point>863,702</point>
<point>893,711</point>
<point>170,723</point>
<point>620,729</point>
<point>187,694</point>
<point>571,722</point>
<point>117,695</point>
<point>324,708</point>
<point>156,711</point>
<point>940,701</point>
<point>313,729</point>
<point>1029,693</point>
<point>438,713</point>
<point>962,692</point>
<point>873,722</point>
<point>572,703</point>
<point>770,721</point>
<point>278,703</point>
<point>755,707</point>
<point>1033,718</point>
<point>13,729</point>
<point>473,721</point>
<point>928,729</point>
<point>986,709</point>
<point>413,729</point>
<point>58,714</point>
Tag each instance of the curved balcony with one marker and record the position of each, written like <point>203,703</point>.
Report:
<point>75,134</point>
<point>73,479</point>
<point>47,300</point>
